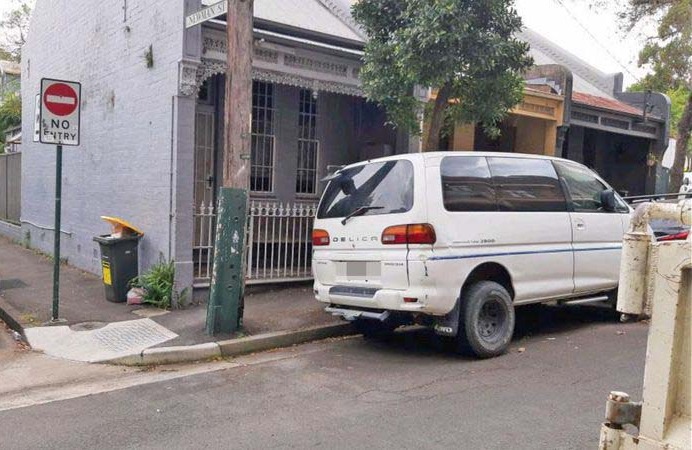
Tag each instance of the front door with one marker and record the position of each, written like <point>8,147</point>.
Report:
<point>205,167</point>
<point>205,188</point>
<point>596,234</point>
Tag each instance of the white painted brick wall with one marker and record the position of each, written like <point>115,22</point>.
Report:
<point>122,167</point>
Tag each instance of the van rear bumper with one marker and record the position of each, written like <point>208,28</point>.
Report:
<point>428,300</point>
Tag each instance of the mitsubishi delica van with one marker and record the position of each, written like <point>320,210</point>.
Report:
<point>456,240</point>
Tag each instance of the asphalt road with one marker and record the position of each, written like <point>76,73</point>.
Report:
<point>549,392</point>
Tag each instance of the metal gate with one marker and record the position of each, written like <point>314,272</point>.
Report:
<point>279,247</point>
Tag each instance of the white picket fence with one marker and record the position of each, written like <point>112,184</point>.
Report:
<point>279,242</point>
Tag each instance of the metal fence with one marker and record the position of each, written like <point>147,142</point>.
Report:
<point>10,186</point>
<point>279,245</point>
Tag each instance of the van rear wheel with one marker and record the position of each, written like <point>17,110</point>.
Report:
<point>486,320</point>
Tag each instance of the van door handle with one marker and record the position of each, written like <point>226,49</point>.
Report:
<point>580,225</point>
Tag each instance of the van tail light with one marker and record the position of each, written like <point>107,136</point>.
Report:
<point>417,233</point>
<point>675,237</point>
<point>320,237</point>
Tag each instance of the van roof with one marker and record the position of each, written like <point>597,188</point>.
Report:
<point>435,155</point>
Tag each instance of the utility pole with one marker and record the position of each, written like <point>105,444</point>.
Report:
<point>225,307</point>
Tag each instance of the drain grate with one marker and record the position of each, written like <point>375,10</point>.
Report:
<point>12,283</point>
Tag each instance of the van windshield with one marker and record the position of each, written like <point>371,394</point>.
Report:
<point>376,188</point>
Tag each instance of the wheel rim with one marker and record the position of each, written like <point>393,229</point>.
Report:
<point>492,320</point>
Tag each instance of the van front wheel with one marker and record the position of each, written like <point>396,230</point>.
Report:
<point>486,320</point>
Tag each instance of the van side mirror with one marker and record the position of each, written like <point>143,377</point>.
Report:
<point>608,202</point>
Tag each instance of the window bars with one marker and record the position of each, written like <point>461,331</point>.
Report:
<point>308,144</point>
<point>263,139</point>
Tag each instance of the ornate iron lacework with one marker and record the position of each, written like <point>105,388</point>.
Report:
<point>210,67</point>
<point>316,65</point>
<point>219,45</point>
<point>615,123</point>
<point>307,83</point>
<point>209,43</point>
<point>263,54</point>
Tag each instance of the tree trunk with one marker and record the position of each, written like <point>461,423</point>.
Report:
<point>684,129</point>
<point>432,143</point>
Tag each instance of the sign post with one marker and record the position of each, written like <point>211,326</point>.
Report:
<point>59,124</point>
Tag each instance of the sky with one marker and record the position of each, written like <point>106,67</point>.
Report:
<point>564,21</point>
<point>604,46</point>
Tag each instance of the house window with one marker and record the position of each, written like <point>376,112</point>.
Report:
<point>308,144</point>
<point>262,151</point>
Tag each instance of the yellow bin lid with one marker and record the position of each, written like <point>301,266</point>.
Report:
<point>120,225</point>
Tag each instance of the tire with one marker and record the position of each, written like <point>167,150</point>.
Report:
<point>486,320</point>
<point>374,329</point>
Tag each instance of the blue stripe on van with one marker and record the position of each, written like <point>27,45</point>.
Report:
<point>533,252</point>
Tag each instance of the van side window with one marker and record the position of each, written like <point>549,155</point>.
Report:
<point>524,184</point>
<point>466,184</point>
<point>583,188</point>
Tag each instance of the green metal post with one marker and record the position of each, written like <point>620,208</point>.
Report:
<point>225,306</point>
<point>56,238</point>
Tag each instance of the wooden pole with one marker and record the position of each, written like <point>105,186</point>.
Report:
<point>238,106</point>
<point>225,306</point>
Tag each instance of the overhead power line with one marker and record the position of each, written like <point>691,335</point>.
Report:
<point>596,40</point>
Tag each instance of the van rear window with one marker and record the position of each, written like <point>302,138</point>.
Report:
<point>377,188</point>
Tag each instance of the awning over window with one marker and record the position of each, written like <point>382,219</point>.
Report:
<point>284,59</point>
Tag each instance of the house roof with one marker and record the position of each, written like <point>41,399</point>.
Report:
<point>604,103</point>
<point>585,77</point>
<point>326,17</point>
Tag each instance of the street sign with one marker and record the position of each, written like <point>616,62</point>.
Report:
<point>208,13</point>
<point>60,108</point>
<point>58,124</point>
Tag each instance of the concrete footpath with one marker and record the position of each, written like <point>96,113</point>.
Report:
<point>96,330</point>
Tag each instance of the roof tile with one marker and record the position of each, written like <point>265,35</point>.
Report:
<point>604,103</point>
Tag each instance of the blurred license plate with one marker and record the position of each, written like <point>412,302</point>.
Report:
<point>362,269</point>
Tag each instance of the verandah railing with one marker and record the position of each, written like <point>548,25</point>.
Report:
<point>279,242</point>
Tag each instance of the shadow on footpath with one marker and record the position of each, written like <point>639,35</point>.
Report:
<point>531,321</point>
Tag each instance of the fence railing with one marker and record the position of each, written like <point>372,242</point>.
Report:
<point>10,186</point>
<point>279,244</point>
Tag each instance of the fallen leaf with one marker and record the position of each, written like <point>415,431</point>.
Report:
<point>620,333</point>
<point>521,350</point>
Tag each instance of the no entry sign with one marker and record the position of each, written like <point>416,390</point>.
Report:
<point>60,101</point>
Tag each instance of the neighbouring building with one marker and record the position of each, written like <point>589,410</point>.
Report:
<point>573,110</point>
<point>10,72</point>
<point>151,127</point>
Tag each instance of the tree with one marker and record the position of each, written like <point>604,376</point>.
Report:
<point>14,27</point>
<point>10,112</point>
<point>466,50</point>
<point>669,55</point>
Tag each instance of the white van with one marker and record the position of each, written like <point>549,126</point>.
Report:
<point>455,240</point>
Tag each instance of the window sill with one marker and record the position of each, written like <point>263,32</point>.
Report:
<point>262,195</point>
<point>307,197</point>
